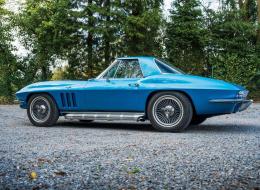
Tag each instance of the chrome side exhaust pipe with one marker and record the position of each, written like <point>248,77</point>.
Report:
<point>108,116</point>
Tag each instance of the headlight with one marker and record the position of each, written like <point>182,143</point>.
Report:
<point>242,94</point>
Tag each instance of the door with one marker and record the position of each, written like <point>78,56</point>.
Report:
<point>117,89</point>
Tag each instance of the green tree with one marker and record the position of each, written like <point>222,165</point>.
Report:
<point>186,36</point>
<point>258,22</point>
<point>87,20</point>
<point>233,36</point>
<point>141,21</point>
<point>44,26</point>
<point>8,62</point>
<point>89,34</point>
<point>112,28</point>
<point>109,30</point>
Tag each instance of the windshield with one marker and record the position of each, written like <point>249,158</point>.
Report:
<point>108,70</point>
<point>167,67</point>
<point>122,69</point>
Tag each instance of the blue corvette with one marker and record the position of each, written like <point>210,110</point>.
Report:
<point>134,88</point>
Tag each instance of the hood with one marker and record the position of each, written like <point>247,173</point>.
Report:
<point>53,85</point>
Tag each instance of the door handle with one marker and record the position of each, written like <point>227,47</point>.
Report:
<point>134,85</point>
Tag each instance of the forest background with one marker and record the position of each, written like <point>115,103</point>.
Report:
<point>77,39</point>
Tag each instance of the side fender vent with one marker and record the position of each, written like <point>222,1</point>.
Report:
<point>74,103</point>
<point>68,99</point>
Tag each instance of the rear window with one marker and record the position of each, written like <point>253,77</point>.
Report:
<point>167,68</point>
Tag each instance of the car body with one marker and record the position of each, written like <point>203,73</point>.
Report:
<point>124,89</point>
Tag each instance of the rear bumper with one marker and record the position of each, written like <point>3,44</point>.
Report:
<point>239,104</point>
<point>245,104</point>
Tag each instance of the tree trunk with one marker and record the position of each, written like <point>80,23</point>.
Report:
<point>246,9</point>
<point>243,6</point>
<point>106,39</point>
<point>240,3</point>
<point>90,39</point>
<point>44,71</point>
<point>8,82</point>
<point>135,41</point>
<point>258,20</point>
<point>43,65</point>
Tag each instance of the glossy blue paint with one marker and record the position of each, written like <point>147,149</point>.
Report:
<point>132,94</point>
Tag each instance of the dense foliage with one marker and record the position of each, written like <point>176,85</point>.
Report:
<point>68,39</point>
<point>8,63</point>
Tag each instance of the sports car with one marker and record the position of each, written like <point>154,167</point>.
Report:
<point>137,89</point>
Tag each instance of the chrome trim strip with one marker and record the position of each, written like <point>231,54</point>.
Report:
<point>100,76</point>
<point>243,104</point>
<point>127,116</point>
<point>16,101</point>
<point>229,100</point>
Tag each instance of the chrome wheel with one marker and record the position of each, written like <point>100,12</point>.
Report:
<point>168,111</point>
<point>40,109</point>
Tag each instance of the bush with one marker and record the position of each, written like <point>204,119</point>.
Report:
<point>6,100</point>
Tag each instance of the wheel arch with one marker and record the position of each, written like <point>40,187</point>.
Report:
<point>34,93</point>
<point>158,91</point>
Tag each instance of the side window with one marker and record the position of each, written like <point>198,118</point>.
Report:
<point>129,69</point>
<point>120,73</point>
<point>134,70</point>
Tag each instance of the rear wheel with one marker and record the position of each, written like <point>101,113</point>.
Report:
<point>42,110</point>
<point>170,111</point>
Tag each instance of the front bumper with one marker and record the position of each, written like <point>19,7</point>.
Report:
<point>23,104</point>
<point>239,104</point>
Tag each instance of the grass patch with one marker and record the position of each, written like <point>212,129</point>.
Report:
<point>135,170</point>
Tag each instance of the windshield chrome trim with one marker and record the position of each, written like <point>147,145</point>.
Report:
<point>100,76</point>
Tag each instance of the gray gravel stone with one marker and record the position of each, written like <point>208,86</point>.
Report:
<point>222,153</point>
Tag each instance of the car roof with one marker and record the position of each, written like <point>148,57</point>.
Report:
<point>148,65</point>
<point>137,57</point>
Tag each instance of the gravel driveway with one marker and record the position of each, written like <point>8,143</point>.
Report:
<point>222,153</point>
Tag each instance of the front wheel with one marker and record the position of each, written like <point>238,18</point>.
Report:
<point>42,110</point>
<point>170,111</point>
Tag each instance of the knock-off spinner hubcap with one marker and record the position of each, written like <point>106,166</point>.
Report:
<point>168,111</point>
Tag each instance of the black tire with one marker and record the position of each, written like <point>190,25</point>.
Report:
<point>176,104</point>
<point>46,105</point>
<point>86,121</point>
<point>196,120</point>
